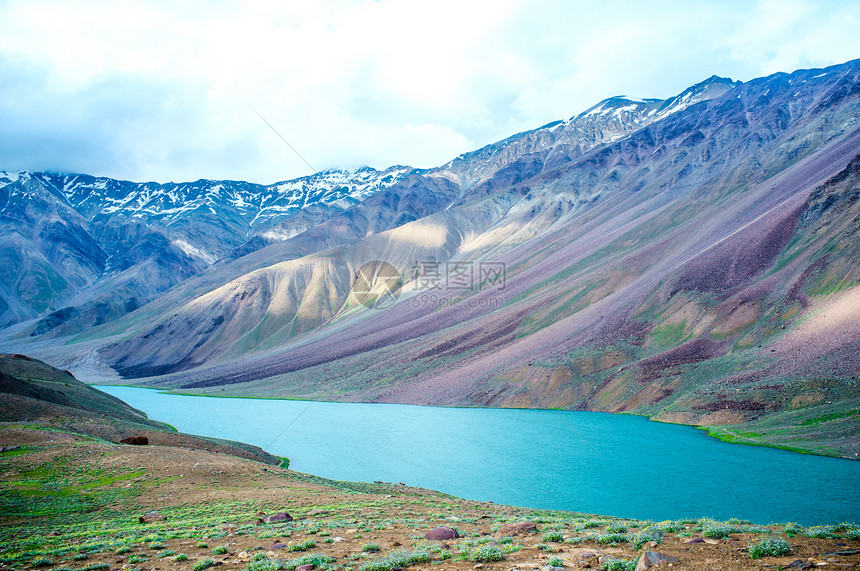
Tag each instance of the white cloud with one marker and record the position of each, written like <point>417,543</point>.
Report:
<point>166,91</point>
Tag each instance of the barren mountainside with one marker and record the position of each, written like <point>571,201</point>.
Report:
<point>694,259</point>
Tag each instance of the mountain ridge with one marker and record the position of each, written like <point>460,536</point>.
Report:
<point>654,264</point>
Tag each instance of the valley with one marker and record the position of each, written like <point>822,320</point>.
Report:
<point>693,260</point>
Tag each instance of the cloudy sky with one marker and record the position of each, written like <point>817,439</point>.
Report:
<point>172,90</point>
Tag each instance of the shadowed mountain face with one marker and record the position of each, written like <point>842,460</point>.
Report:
<point>694,259</point>
<point>34,392</point>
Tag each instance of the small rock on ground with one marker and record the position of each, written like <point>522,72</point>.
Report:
<point>441,533</point>
<point>651,559</point>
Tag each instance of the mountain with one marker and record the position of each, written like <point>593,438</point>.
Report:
<point>692,259</point>
<point>80,250</point>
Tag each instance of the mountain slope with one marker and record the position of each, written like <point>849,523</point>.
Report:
<point>670,258</point>
<point>82,250</point>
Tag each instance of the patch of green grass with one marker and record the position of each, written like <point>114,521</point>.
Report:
<point>370,547</point>
<point>828,417</point>
<point>487,554</point>
<point>819,532</point>
<point>776,547</point>
<point>265,564</point>
<point>181,557</point>
<point>646,535</point>
<point>613,564</point>
<point>555,562</point>
<point>303,546</point>
<point>202,564</point>
<point>792,529</point>
<point>719,531</point>
<point>554,536</point>
<point>397,559</point>
<point>165,553</point>
<point>610,538</point>
<point>669,335</point>
<point>220,550</point>
<point>318,560</point>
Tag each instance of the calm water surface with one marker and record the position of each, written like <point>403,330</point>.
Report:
<point>581,461</point>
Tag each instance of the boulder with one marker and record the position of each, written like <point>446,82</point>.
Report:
<point>306,567</point>
<point>273,518</point>
<point>516,528</point>
<point>441,533</point>
<point>150,517</point>
<point>651,559</point>
<point>135,440</point>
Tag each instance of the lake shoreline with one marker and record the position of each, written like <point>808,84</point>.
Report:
<point>718,432</point>
<point>177,508</point>
<point>292,446</point>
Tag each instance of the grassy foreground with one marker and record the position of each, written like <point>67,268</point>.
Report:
<point>74,502</point>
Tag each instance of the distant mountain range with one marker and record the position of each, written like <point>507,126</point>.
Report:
<point>86,250</point>
<point>694,259</point>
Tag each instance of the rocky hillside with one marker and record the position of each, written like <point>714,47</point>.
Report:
<point>44,398</point>
<point>694,259</point>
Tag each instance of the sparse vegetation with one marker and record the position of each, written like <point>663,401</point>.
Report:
<point>397,559</point>
<point>303,546</point>
<point>775,547</point>
<point>646,535</point>
<point>487,554</point>
<point>719,531</point>
<point>351,514</point>
<point>554,537</point>
<point>202,564</point>
<point>819,531</point>
<point>614,564</point>
<point>610,538</point>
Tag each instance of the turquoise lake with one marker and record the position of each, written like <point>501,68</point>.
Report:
<point>619,465</point>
